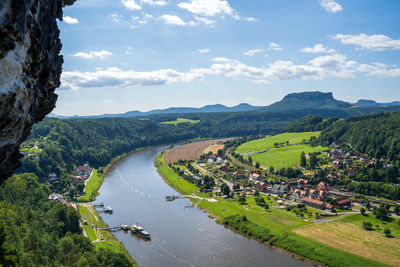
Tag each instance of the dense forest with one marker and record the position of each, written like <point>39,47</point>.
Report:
<point>376,135</point>
<point>37,232</point>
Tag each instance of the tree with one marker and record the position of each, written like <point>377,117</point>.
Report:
<point>256,193</point>
<point>362,211</point>
<point>271,170</point>
<point>250,160</point>
<point>387,232</point>
<point>396,209</point>
<point>303,160</point>
<point>257,165</point>
<point>368,206</point>
<point>220,152</point>
<point>313,161</point>
<point>367,225</point>
<point>242,199</point>
<point>225,189</point>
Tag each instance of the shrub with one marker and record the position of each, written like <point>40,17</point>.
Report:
<point>367,225</point>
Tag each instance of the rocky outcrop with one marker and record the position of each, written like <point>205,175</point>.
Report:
<point>30,69</point>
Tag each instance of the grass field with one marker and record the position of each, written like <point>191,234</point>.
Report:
<point>377,225</point>
<point>286,156</point>
<point>180,120</point>
<point>354,239</point>
<point>281,226</point>
<point>277,221</point>
<point>268,142</point>
<point>92,187</point>
<point>110,241</point>
<point>181,185</point>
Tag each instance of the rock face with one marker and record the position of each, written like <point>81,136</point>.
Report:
<point>30,69</point>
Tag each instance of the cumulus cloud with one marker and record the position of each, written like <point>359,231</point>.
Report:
<point>331,6</point>
<point>207,8</point>
<point>251,19</point>
<point>203,51</point>
<point>204,20</point>
<point>70,20</point>
<point>155,2</point>
<point>172,19</point>
<point>274,46</point>
<point>119,78</point>
<point>252,52</point>
<point>318,48</point>
<point>376,42</point>
<point>131,5</point>
<point>327,66</point>
<point>93,54</point>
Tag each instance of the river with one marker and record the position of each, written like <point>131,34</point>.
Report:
<point>181,235</point>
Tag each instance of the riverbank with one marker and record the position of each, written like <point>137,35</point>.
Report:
<point>275,222</point>
<point>101,238</point>
<point>92,223</point>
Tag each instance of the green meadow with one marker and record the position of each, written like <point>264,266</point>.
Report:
<point>181,120</point>
<point>286,156</point>
<point>268,142</point>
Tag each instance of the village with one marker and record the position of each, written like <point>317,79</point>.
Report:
<point>313,188</point>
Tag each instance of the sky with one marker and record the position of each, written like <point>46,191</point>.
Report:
<point>123,55</point>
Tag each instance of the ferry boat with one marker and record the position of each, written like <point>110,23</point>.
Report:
<point>138,230</point>
<point>108,209</point>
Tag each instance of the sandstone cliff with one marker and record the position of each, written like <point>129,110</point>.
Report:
<point>30,69</point>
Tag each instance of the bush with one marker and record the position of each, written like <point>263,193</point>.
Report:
<point>367,225</point>
<point>387,232</point>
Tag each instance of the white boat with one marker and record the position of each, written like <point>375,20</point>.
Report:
<point>138,230</point>
<point>108,209</point>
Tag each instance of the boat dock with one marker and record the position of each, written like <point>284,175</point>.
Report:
<point>172,197</point>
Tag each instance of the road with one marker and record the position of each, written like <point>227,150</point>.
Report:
<point>230,184</point>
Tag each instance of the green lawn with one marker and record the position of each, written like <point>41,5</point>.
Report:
<point>268,142</point>
<point>283,156</point>
<point>180,120</point>
<point>181,185</point>
<point>92,187</point>
<point>280,224</point>
<point>377,225</point>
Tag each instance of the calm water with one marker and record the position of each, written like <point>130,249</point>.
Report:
<point>181,235</point>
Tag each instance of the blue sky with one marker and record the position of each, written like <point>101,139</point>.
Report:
<point>123,55</point>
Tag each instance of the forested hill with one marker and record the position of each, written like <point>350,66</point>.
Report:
<point>376,134</point>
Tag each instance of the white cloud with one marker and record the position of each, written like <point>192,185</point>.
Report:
<point>252,52</point>
<point>377,42</point>
<point>379,70</point>
<point>331,6</point>
<point>318,48</point>
<point>274,46</point>
<point>131,5</point>
<point>93,54</point>
<point>204,20</point>
<point>172,19</point>
<point>251,19</point>
<point>327,66</point>
<point>203,51</point>
<point>70,20</point>
<point>116,77</point>
<point>155,2</point>
<point>108,102</point>
<point>207,8</point>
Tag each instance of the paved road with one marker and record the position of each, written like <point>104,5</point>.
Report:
<point>230,184</point>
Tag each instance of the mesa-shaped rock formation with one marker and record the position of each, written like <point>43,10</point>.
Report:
<point>30,69</point>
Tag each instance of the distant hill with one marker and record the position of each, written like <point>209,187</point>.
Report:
<point>373,103</point>
<point>305,103</point>
<point>173,110</point>
<point>308,100</point>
